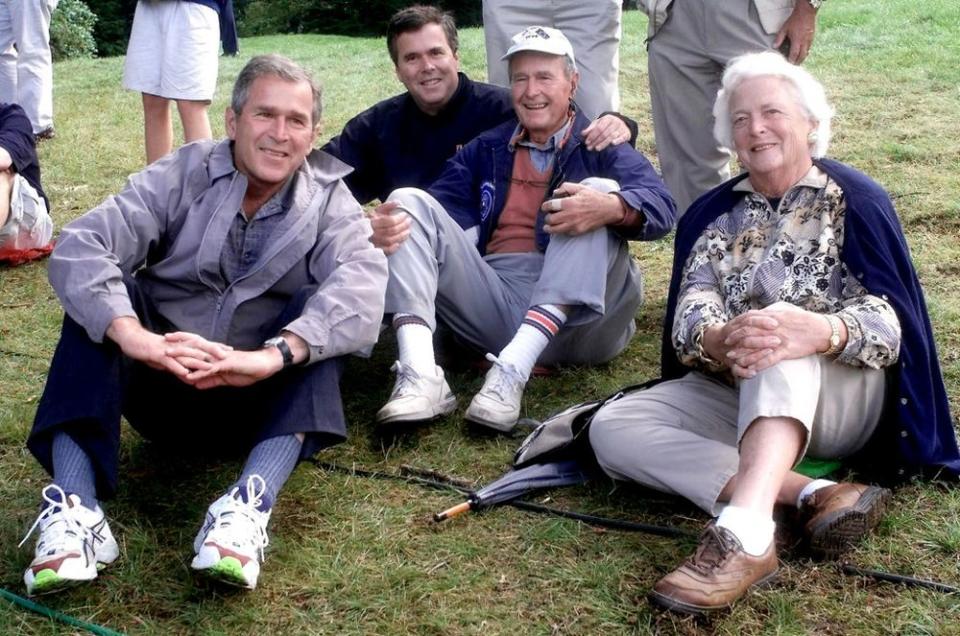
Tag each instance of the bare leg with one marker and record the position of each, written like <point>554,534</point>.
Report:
<point>768,451</point>
<point>193,115</point>
<point>790,489</point>
<point>157,127</point>
<point>6,186</point>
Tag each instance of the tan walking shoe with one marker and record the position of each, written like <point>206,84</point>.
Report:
<point>839,516</point>
<point>718,574</point>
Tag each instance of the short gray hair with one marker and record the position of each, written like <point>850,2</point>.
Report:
<point>810,95</point>
<point>276,66</point>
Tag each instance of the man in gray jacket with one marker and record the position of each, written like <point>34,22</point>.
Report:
<point>210,303</point>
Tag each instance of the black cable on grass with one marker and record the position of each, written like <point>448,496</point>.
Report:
<point>890,577</point>
<point>42,610</point>
<point>443,482</point>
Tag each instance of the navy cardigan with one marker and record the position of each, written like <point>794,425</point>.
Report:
<point>915,435</point>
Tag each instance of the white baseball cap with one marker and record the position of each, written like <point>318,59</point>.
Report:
<point>543,39</point>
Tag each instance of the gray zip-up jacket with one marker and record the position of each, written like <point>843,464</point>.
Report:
<point>168,226</point>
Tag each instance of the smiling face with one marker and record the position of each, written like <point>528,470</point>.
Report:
<point>770,131</point>
<point>427,67</point>
<point>273,133</point>
<point>541,92</point>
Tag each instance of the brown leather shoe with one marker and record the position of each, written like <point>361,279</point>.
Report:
<point>716,575</point>
<point>839,516</point>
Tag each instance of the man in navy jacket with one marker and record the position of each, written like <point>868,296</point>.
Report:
<point>406,140</point>
<point>519,247</point>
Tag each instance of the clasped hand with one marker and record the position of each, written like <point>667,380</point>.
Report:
<point>192,359</point>
<point>761,338</point>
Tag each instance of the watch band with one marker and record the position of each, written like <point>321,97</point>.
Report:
<point>284,348</point>
<point>834,347</point>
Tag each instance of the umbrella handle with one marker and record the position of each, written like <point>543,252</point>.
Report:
<point>452,512</point>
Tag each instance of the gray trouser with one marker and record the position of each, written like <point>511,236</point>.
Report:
<point>593,28</point>
<point>686,60</point>
<point>438,274</point>
<point>681,436</point>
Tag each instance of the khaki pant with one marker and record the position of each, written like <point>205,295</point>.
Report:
<point>681,436</point>
<point>686,60</point>
<point>593,28</point>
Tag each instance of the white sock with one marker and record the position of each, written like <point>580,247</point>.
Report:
<point>753,529</point>
<point>540,324</point>
<point>811,488</point>
<point>415,344</point>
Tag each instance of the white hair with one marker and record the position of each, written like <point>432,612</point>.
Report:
<point>808,91</point>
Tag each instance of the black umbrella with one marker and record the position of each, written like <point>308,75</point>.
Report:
<point>519,482</point>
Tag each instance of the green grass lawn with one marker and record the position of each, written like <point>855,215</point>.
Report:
<point>351,555</point>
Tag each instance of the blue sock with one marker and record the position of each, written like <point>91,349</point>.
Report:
<point>273,459</point>
<point>73,471</point>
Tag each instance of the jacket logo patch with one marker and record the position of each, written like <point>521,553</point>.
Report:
<point>486,199</point>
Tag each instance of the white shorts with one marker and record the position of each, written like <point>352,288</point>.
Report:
<point>29,225</point>
<point>173,50</point>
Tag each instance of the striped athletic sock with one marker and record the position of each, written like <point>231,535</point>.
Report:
<point>540,325</point>
<point>415,344</point>
<point>73,470</point>
<point>274,460</point>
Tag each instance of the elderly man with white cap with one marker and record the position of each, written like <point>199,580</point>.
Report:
<point>520,246</point>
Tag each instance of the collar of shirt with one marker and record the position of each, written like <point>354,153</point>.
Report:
<point>542,154</point>
<point>814,178</point>
<point>279,203</point>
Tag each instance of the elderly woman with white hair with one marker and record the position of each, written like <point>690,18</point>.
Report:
<point>795,327</point>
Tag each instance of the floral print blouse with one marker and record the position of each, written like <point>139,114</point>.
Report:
<point>755,256</point>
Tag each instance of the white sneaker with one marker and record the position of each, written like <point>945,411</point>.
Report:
<point>497,404</point>
<point>75,542</point>
<point>230,544</point>
<point>417,397</point>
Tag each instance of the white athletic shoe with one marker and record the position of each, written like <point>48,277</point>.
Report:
<point>75,542</point>
<point>229,546</point>
<point>497,404</point>
<point>416,397</point>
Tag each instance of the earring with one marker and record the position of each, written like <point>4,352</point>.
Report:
<point>812,137</point>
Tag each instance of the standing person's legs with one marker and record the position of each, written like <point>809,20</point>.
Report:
<point>594,29</point>
<point>503,19</point>
<point>157,127</point>
<point>192,58</point>
<point>196,122</point>
<point>8,54</point>
<point>686,60</point>
<point>31,21</point>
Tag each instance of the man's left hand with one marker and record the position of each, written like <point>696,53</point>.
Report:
<point>238,368</point>
<point>578,209</point>
<point>608,130</point>
<point>798,30</point>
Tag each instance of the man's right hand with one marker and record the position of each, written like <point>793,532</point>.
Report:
<point>390,227</point>
<point>179,353</point>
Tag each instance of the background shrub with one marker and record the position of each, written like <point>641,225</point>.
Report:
<point>71,30</point>
<point>343,17</point>
<point>114,18</point>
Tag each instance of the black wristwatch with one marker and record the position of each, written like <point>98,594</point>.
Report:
<point>284,348</point>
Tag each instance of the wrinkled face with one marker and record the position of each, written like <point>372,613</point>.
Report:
<point>427,67</point>
<point>541,92</point>
<point>274,132</point>
<point>769,127</point>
